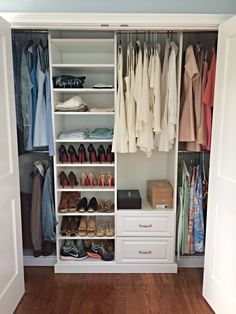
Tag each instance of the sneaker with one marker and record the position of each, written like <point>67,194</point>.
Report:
<point>70,252</point>
<point>98,251</point>
<point>79,244</point>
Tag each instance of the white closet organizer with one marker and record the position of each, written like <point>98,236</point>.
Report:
<point>144,240</point>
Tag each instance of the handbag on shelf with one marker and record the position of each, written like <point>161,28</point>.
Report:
<point>68,81</point>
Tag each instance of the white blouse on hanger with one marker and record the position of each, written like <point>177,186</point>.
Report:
<point>120,137</point>
<point>129,99</point>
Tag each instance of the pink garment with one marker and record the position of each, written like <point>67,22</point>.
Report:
<point>208,99</point>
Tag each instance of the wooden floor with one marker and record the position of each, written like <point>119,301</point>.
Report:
<point>49,293</point>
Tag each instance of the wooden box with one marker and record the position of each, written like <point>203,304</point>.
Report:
<point>160,194</point>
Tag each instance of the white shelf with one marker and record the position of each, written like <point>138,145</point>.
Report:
<point>82,141</point>
<point>90,165</point>
<point>85,214</point>
<point>84,238</point>
<point>81,189</point>
<point>84,90</point>
<point>85,67</point>
<point>70,45</point>
<point>88,261</point>
<point>87,113</point>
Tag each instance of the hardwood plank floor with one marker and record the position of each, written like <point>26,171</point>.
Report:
<point>50,293</point>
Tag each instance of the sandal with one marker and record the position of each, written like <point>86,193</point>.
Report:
<point>82,230</point>
<point>74,226</point>
<point>101,230</point>
<point>91,227</point>
<point>65,226</point>
<point>63,206</point>
<point>109,230</point>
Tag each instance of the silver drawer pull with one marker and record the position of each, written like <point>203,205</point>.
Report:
<point>145,252</point>
<point>145,226</point>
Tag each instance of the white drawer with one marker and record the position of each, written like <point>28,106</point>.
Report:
<point>146,225</point>
<point>143,250</point>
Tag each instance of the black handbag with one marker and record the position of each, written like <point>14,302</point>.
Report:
<point>68,81</point>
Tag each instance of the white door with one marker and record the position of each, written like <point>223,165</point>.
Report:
<point>219,287</point>
<point>11,256</point>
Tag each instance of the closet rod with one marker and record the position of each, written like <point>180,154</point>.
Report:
<point>29,31</point>
<point>146,32</point>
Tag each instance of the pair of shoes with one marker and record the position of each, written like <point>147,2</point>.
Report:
<point>73,250</point>
<point>87,226</point>
<point>88,178</point>
<point>97,250</point>
<point>68,181</point>
<point>107,156</point>
<point>69,201</point>
<point>105,206</point>
<point>74,157</point>
<point>106,179</point>
<point>84,206</point>
<point>69,226</point>
<point>105,230</point>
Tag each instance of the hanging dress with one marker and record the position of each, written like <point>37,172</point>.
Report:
<point>138,87</point>
<point>155,83</point>
<point>186,126</point>
<point>198,104</point>
<point>208,98</point>
<point>120,138</point>
<point>129,99</point>
<point>40,128</point>
<point>191,214</point>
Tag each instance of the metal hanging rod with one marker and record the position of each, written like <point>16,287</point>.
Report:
<point>29,31</point>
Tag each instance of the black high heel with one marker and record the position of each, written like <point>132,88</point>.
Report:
<point>110,155</point>
<point>82,157</point>
<point>101,154</point>
<point>63,156</point>
<point>92,154</point>
<point>72,154</point>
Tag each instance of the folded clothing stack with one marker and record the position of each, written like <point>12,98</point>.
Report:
<point>101,134</point>
<point>80,134</point>
<point>75,103</point>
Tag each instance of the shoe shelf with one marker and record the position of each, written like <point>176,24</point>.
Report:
<point>87,189</point>
<point>86,261</point>
<point>87,113</point>
<point>77,213</point>
<point>82,141</point>
<point>85,238</point>
<point>90,165</point>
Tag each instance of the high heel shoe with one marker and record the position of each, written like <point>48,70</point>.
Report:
<point>101,154</point>
<point>92,154</point>
<point>63,156</point>
<point>92,178</point>
<point>110,180</point>
<point>84,178</point>
<point>63,179</point>
<point>101,181</point>
<point>110,155</point>
<point>72,179</point>
<point>82,154</point>
<point>72,154</point>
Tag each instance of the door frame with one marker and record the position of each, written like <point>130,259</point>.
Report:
<point>114,21</point>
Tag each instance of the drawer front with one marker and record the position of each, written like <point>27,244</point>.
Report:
<point>143,250</point>
<point>148,225</point>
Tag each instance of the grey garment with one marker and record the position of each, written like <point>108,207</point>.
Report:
<point>48,209</point>
<point>36,223</point>
<point>101,133</point>
<point>25,90</point>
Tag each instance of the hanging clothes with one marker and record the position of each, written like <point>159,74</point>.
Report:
<point>40,128</point>
<point>120,138</point>
<point>191,73</point>
<point>198,103</point>
<point>138,86</point>
<point>208,98</point>
<point>49,115</point>
<point>129,99</point>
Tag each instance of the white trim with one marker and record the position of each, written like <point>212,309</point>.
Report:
<point>110,267</point>
<point>115,21</point>
<point>40,261</point>
<point>191,262</point>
